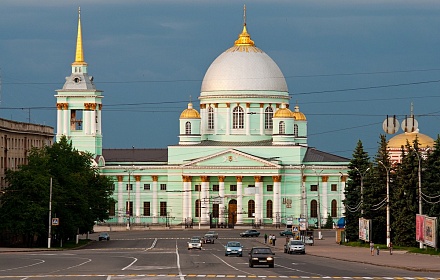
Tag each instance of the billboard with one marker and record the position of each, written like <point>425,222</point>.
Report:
<point>364,229</point>
<point>426,230</point>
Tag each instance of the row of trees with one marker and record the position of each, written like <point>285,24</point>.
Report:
<point>80,196</point>
<point>370,202</point>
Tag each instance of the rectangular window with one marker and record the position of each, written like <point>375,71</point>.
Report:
<point>233,188</point>
<point>215,188</point>
<point>269,188</point>
<point>215,210</point>
<point>314,188</point>
<point>147,187</point>
<point>147,208</point>
<point>334,187</point>
<point>128,186</point>
<point>163,187</point>
<point>112,210</point>
<point>163,208</point>
<point>251,186</point>
<point>197,188</point>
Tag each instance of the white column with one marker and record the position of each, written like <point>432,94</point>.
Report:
<point>203,119</point>
<point>86,122</point>
<point>341,190</point>
<point>137,199</point>
<point>261,120</point>
<point>228,119</point>
<point>239,200</point>
<point>247,120</point>
<point>324,198</point>
<point>120,209</point>
<point>155,202</point>
<point>59,120</point>
<point>258,199</point>
<point>186,210</point>
<point>221,193</point>
<point>93,122</point>
<point>276,197</point>
<point>205,200</point>
<point>99,126</point>
<point>216,124</point>
<point>66,122</point>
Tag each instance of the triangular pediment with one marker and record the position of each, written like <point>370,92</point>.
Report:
<point>231,158</point>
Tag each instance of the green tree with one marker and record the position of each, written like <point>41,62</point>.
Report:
<point>80,196</point>
<point>404,202</point>
<point>375,194</point>
<point>431,184</point>
<point>358,166</point>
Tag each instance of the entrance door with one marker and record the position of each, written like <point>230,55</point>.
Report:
<point>232,212</point>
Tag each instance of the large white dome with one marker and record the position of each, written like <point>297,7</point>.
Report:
<point>244,67</point>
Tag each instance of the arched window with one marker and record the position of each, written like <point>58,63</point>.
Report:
<point>197,208</point>
<point>281,128</point>
<point>334,208</point>
<point>295,130</point>
<point>251,208</point>
<point>210,117</point>
<point>238,118</point>
<point>314,209</point>
<point>269,209</point>
<point>268,114</point>
<point>188,128</point>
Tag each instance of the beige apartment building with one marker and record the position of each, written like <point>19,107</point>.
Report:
<point>16,141</point>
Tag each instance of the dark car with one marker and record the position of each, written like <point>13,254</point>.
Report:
<point>286,232</point>
<point>208,238</point>
<point>261,256</point>
<point>250,233</point>
<point>104,236</point>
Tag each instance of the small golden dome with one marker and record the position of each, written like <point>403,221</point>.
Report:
<point>283,112</point>
<point>298,115</point>
<point>190,113</point>
<point>400,140</point>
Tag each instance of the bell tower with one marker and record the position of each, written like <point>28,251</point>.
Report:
<point>79,105</point>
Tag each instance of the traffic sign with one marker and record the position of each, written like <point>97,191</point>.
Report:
<point>55,221</point>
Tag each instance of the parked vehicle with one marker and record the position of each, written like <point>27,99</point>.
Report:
<point>286,232</point>
<point>195,243</point>
<point>104,236</point>
<point>250,233</point>
<point>261,256</point>
<point>234,248</point>
<point>295,246</point>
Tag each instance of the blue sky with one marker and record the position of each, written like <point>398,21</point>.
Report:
<point>348,64</point>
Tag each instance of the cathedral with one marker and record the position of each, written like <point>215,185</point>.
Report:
<point>242,157</point>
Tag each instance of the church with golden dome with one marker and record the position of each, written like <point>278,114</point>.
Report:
<point>242,158</point>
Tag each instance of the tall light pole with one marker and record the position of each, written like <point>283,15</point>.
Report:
<point>128,208</point>
<point>388,203</point>
<point>362,188</point>
<point>420,186</point>
<point>319,202</point>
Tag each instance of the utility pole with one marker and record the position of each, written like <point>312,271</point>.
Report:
<point>388,203</point>
<point>362,188</point>
<point>50,215</point>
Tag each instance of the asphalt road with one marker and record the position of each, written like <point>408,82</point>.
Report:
<point>164,255</point>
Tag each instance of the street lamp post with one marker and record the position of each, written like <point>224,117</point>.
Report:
<point>388,203</point>
<point>420,187</point>
<point>319,202</point>
<point>362,188</point>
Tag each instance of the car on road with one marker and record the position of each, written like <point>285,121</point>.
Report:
<point>286,232</point>
<point>250,233</point>
<point>233,248</point>
<point>213,233</point>
<point>295,246</point>
<point>104,236</point>
<point>261,256</point>
<point>195,243</point>
<point>208,238</point>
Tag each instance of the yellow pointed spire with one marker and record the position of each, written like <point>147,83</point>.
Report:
<point>244,39</point>
<point>79,55</point>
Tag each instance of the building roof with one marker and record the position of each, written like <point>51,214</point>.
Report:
<point>135,155</point>
<point>313,155</point>
<point>401,139</point>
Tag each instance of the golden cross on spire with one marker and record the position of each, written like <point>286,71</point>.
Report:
<point>244,14</point>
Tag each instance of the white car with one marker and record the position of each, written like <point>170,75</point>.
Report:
<point>195,243</point>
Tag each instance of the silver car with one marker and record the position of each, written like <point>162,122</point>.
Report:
<point>295,246</point>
